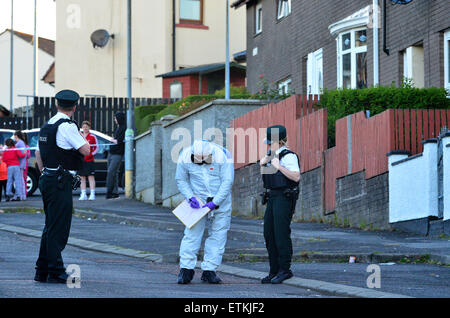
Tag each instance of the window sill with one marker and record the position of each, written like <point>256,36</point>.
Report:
<point>192,26</point>
<point>257,33</point>
<point>281,19</point>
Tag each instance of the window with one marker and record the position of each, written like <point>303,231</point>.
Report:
<point>258,19</point>
<point>447,60</point>
<point>176,90</point>
<point>284,87</point>
<point>284,8</point>
<point>102,148</point>
<point>352,59</point>
<point>314,72</point>
<point>413,66</point>
<point>191,11</point>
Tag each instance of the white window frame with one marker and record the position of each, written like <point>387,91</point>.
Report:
<point>412,69</point>
<point>284,86</point>
<point>447,61</point>
<point>283,9</point>
<point>258,19</point>
<point>354,50</point>
<point>314,72</point>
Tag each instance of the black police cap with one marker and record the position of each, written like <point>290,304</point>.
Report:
<point>67,98</point>
<point>275,134</point>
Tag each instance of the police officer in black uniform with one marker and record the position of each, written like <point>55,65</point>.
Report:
<point>60,150</point>
<point>280,170</point>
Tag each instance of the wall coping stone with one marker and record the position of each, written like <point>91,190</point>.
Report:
<point>406,159</point>
<point>398,152</point>
<point>221,102</point>
<point>430,140</point>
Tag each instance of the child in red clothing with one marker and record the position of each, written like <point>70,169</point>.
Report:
<point>88,170</point>
<point>11,158</point>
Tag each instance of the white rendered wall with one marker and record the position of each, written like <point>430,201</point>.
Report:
<point>446,163</point>
<point>413,190</point>
<point>23,71</point>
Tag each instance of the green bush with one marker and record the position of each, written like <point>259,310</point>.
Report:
<point>343,102</point>
<point>144,123</point>
<point>192,102</point>
<point>144,115</point>
<point>241,90</point>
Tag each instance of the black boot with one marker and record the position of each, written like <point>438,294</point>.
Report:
<point>268,278</point>
<point>281,276</point>
<point>40,277</point>
<point>58,279</point>
<point>210,277</point>
<point>185,276</point>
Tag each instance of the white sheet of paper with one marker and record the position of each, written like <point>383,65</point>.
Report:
<point>190,216</point>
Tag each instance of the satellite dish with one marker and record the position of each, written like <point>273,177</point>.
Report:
<point>401,1</point>
<point>100,38</point>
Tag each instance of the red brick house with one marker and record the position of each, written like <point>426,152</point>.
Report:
<point>201,80</point>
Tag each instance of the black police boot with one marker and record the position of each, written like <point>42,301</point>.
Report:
<point>57,278</point>
<point>281,276</point>
<point>268,278</point>
<point>210,277</point>
<point>185,276</point>
<point>40,277</point>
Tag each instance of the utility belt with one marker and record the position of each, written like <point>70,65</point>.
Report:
<point>289,193</point>
<point>63,176</point>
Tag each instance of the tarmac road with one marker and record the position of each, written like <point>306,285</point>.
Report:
<point>157,234</point>
<point>105,275</point>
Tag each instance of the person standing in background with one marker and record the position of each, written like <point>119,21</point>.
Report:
<point>11,157</point>
<point>3,175</point>
<point>88,169</point>
<point>22,143</point>
<point>115,156</point>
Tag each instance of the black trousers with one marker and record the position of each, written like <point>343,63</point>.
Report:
<point>277,232</point>
<point>2,188</point>
<point>58,208</point>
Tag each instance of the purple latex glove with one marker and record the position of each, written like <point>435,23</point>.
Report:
<point>194,203</point>
<point>210,205</point>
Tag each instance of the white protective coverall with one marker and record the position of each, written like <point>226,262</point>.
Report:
<point>207,180</point>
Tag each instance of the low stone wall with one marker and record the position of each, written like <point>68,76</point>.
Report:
<point>157,150</point>
<point>360,203</point>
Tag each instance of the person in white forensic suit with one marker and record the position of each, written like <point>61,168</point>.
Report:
<point>205,170</point>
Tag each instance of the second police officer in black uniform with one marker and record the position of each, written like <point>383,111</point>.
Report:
<point>280,170</point>
<point>60,150</point>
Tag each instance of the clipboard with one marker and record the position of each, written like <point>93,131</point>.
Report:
<point>188,215</point>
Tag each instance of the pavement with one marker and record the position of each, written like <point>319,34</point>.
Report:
<point>321,252</point>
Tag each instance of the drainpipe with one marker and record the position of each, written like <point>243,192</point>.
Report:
<point>376,49</point>
<point>174,42</point>
<point>385,49</point>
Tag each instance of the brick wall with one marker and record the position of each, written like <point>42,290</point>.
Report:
<point>191,82</point>
<point>283,45</point>
<point>363,203</point>
<point>360,203</point>
<point>190,85</point>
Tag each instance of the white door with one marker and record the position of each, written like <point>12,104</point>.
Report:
<point>314,72</point>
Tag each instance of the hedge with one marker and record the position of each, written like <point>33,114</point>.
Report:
<point>192,102</point>
<point>343,102</point>
<point>144,115</point>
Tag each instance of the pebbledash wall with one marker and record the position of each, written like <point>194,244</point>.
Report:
<point>157,150</point>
